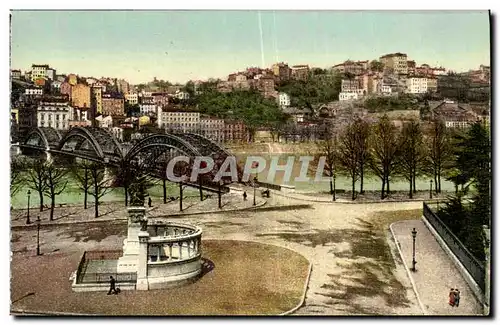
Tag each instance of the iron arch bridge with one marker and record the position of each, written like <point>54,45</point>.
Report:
<point>152,153</point>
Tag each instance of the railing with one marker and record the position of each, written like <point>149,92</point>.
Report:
<point>103,255</point>
<point>79,270</point>
<point>471,264</point>
<point>105,277</point>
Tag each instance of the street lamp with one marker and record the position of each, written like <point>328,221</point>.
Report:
<point>254,187</point>
<point>414,235</point>
<point>38,235</point>
<point>334,189</point>
<point>220,193</point>
<point>28,215</point>
<point>430,190</point>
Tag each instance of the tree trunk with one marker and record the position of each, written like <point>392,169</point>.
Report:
<point>414,182</point>
<point>331,186</point>
<point>388,187</point>
<point>41,200</point>
<point>383,188</point>
<point>96,207</point>
<point>52,205</point>
<point>411,192</point>
<point>439,179</point>
<point>436,187</point>
<point>85,198</point>
<point>353,189</point>
<point>362,174</point>
<point>164,191</point>
<point>126,194</point>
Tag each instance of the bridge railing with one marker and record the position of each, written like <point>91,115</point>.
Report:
<point>474,267</point>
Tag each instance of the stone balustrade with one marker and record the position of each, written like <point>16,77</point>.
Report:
<point>173,254</point>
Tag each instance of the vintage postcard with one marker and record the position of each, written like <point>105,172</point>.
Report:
<point>259,162</point>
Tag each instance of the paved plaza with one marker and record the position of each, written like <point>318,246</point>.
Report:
<point>356,267</point>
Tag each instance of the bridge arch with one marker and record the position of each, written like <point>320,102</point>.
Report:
<point>42,137</point>
<point>104,145</point>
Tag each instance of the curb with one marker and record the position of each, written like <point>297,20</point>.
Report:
<point>213,211</point>
<point>463,271</point>
<point>121,219</point>
<point>303,299</point>
<point>357,202</point>
<point>424,311</point>
<point>23,312</point>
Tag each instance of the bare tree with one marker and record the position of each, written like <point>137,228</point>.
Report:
<point>81,173</point>
<point>384,151</point>
<point>17,176</point>
<point>348,154</point>
<point>36,177</point>
<point>99,184</point>
<point>439,151</point>
<point>328,149</point>
<point>412,155</point>
<point>55,183</point>
<point>362,129</point>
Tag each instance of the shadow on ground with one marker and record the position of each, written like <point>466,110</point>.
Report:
<point>366,268</point>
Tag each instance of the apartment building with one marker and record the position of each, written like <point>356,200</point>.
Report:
<point>411,67</point>
<point>15,74</point>
<point>132,99</point>
<point>235,131</point>
<point>177,120</point>
<point>33,91</point>
<point>38,71</point>
<point>96,100</point>
<point>300,72</point>
<point>212,128</point>
<point>432,84</point>
<point>65,89</point>
<point>416,85</point>
<point>396,63</point>
<point>80,95</point>
<point>355,68</point>
<point>283,99</point>
<point>349,85</point>
<point>55,114</point>
<point>281,71</point>
<point>51,74</point>
<point>123,86</point>
<point>113,105</point>
<point>72,79</point>
<point>348,96</point>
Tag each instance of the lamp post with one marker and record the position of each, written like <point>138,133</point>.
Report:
<point>334,189</point>
<point>430,190</point>
<point>28,215</point>
<point>413,262</point>
<point>254,189</point>
<point>220,194</point>
<point>38,235</point>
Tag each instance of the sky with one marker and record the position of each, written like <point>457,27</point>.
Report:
<point>196,45</point>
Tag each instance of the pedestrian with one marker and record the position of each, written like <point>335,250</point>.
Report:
<point>112,286</point>
<point>244,196</point>
<point>457,297</point>
<point>452,297</point>
<point>150,201</point>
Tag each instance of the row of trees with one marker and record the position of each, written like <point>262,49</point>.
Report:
<point>50,178</point>
<point>386,151</point>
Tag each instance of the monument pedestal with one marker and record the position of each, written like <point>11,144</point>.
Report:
<point>130,260</point>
